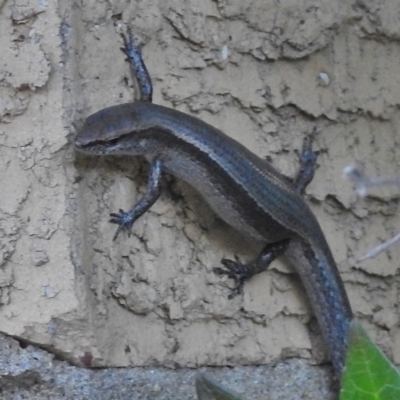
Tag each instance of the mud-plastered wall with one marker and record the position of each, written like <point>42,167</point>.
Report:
<point>266,73</point>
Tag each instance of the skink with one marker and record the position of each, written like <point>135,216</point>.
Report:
<point>243,189</point>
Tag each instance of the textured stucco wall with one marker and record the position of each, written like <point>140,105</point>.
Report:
<point>266,73</point>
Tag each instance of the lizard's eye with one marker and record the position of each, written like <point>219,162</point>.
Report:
<point>113,142</point>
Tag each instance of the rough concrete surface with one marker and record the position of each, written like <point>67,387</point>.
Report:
<point>33,374</point>
<point>267,73</point>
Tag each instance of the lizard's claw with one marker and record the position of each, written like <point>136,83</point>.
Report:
<point>235,270</point>
<point>125,221</point>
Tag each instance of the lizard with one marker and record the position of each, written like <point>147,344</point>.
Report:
<point>242,189</point>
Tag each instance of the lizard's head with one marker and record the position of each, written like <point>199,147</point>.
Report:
<point>113,130</point>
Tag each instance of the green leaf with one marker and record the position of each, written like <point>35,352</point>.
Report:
<point>208,389</point>
<point>368,374</point>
